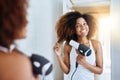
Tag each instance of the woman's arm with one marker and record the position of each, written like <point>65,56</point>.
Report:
<point>16,66</point>
<point>98,69</point>
<point>64,64</point>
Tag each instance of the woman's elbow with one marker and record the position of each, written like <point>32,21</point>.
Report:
<point>100,71</point>
<point>66,72</point>
<point>65,69</point>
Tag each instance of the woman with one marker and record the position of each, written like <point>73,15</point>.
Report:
<point>82,29</point>
<point>14,65</point>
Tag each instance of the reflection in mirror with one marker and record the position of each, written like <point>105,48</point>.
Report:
<point>101,10</point>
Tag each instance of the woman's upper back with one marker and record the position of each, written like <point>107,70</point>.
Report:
<point>15,66</point>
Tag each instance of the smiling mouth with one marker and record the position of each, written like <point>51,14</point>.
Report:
<point>83,31</point>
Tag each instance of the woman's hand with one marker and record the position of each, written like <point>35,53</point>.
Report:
<point>80,58</point>
<point>57,49</point>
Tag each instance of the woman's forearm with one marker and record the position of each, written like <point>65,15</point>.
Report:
<point>95,69</point>
<point>63,66</point>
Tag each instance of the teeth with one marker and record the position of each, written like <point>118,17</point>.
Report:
<point>83,30</point>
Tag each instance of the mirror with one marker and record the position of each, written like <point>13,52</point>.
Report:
<point>42,17</point>
<point>101,10</point>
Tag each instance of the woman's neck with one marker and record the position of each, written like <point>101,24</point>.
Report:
<point>83,40</point>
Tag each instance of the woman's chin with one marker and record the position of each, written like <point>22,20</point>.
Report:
<point>83,34</point>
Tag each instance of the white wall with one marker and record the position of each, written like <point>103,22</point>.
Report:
<point>42,16</point>
<point>115,39</point>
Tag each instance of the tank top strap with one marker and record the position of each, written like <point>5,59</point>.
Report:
<point>91,46</point>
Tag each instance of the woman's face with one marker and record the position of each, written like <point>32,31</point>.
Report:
<point>81,27</point>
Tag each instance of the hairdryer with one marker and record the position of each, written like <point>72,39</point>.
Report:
<point>84,50</point>
<point>40,65</point>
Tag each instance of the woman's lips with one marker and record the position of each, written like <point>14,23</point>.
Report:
<point>82,31</point>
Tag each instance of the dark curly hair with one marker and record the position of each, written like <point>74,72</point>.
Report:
<point>65,26</point>
<point>12,19</point>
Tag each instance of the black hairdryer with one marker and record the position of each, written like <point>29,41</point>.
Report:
<point>40,65</point>
<point>84,50</point>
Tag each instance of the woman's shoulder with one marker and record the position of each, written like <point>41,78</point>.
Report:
<point>15,66</point>
<point>22,57</point>
<point>67,48</point>
<point>96,44</point>
<point>24,61</point>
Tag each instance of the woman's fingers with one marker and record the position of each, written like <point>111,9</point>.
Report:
<point>80,59</point>
<point>57,49</point>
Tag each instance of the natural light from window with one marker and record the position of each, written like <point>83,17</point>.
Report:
<point>105,25</point>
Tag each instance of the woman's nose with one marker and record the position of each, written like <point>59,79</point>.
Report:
<point>82,26</point>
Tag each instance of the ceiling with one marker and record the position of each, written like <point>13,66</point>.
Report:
<point>101,7</point>
<point>90,2</point>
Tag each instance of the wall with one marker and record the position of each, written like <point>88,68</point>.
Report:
<point>42,16</point>
<point>115,39</point>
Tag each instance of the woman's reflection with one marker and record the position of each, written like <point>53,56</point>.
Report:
<point>81,28</point>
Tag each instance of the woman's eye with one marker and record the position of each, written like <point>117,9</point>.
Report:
<point>84,23</point>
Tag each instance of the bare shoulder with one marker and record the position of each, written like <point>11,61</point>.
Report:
<point>67,47</point>
<point>96,44</point>
<point>15,66</point>
<point>25,65</point>
<point>23,59</point>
